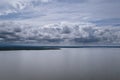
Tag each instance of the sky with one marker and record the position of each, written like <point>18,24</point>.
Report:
<point>55,21</point>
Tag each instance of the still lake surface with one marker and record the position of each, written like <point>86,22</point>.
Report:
<point>63,64</point>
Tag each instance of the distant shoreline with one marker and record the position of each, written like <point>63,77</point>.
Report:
<point>10,48</point>
<point>14,47</point>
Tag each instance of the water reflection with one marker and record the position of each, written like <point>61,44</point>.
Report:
<point>72,64</point>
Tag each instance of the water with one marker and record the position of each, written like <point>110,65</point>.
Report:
<point>64,64</point>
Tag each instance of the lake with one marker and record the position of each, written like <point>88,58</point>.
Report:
<point>63,64</point>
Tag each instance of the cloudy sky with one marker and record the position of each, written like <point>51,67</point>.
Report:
<point>96,20</point>
<point>50,11</point>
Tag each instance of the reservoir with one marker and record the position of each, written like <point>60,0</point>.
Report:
<point>63,64</point>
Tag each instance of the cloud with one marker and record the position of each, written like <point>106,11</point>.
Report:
<point>113,21</point>
<point>17,6</point>
<point>43,11</point>
<point>20,16</point>
<point>100,12</point>
<point>59,33</point>
<point>20,9</point>
<point>72,1</point>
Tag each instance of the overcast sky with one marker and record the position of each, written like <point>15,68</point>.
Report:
<point>51,11</point>
<point>60,21</point>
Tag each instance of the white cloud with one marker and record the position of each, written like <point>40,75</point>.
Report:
<point>45,11</point>
<point>46,1</point>
<point>74,33</point>
<point>15,6</point>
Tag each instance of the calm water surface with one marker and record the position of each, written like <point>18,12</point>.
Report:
<point>64,64</point>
